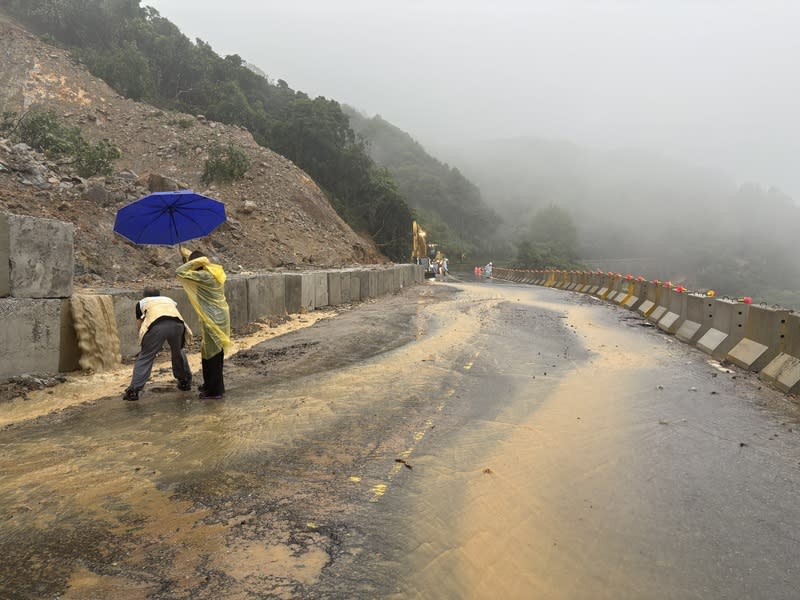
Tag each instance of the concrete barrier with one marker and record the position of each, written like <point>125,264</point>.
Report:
<point>335,286</point>
<point>36,257</point>
<point>764,334</point>
<point>673,319</point>
<point>236,295</point>
<point>319,279</point>
<point>637,294</point>
<point>784,370</point>
<point>614,288</point>
<point>266,296</point>
<point>30,330</point>
<point>299,289</point>
<point>596,281</point>
<point>727,327</point>
<point>605,285</point>
<point>626,290</point>
<point>652,294</point>
<point>586,282</point>
<point>662,304</point>
<point>697,318</point>
<point>38,335</point>
<point>355,285</point>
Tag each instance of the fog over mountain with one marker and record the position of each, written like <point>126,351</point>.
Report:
<point>711,83</point>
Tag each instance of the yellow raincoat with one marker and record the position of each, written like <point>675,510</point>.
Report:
<point>204,283</point>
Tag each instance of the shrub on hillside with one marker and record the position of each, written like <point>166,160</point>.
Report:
<point>225,164</point>
<point>43,131</point>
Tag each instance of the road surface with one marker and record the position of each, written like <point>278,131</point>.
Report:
<point>465,440</point>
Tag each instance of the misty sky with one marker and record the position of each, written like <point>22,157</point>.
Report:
<point>712,83</point>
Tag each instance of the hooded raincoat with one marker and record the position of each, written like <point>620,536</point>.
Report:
<point>204,283</point>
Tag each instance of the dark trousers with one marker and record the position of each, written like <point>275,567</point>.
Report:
<point>213,382</point>
<point>163,330</point>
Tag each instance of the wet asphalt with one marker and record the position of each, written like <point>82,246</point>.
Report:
<point>468,440</point>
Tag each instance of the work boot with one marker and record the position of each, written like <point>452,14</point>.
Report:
<point>184,385</point>
<point>131,395</point>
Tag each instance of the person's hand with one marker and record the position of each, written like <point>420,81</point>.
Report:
<point>185,253</point>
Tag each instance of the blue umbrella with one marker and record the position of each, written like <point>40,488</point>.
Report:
<point>169,218</point>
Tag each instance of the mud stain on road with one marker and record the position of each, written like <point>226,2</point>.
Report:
<point>171,497</point>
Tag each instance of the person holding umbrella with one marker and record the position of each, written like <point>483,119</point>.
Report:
<point>159,321</point>
<point>204,283</point>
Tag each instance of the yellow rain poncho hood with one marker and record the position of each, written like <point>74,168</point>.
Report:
<point>204,283</point>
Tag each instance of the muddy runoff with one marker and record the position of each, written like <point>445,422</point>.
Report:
<point>467,440</point>
<point>254,496</point>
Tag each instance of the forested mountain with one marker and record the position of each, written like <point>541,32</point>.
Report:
<point>638,207</point>
<point>449,206</point>
<point>146,57</point>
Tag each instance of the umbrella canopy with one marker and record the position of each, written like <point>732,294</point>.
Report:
<point>169,218</point>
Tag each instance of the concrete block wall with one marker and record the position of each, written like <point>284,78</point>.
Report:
<point>37,335</point>
<point>30,335</point>
<point>36,257</point>
<point>762,339</point>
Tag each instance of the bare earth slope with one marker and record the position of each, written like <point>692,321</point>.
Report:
<point>278,217</point>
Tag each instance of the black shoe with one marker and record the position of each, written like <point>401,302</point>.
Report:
<point>131,395</point>
<point>184,385</point>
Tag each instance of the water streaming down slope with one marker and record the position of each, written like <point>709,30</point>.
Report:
<point>96,330</point>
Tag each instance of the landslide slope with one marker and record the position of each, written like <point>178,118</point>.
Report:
<point>278,216</point>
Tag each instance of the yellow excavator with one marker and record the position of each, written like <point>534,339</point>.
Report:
<point>419,249</point>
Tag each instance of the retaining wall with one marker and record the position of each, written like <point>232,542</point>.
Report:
<point>38,335</point>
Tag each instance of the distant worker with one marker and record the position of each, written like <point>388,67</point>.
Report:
<point>487,270</point>
<point>446,265</point>
<point>204,283</point>
<point>159,321</point>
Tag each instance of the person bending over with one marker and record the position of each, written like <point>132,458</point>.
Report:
<point>159,321</point>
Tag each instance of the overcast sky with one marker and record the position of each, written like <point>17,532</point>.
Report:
<point>713,83</point>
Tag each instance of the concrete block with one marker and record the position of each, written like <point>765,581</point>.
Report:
<point>31,333</point>
<point>764,332</point>
<point>345,285</point>
<point>650,301</point>
<point>657,314</point>
<point>36,257</point>
<point>673,319</point>
<point>335,288</point>
<point>784,370</point>
<point>697,320</point>
<point>397,279</point>
<point>372,288</point>
<point>638,295</point>
<point>727,328</point>
<point>355,285</point>
<point>299,289</point>
<point>319,280</point>
<point>236,295</point>
<point>266,296</point>
<point>646,308</point>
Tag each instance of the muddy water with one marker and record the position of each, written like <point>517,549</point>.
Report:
<point>489,442</point>
<point>96,330</point>
<point>172,497</point>
<point>625,478</point>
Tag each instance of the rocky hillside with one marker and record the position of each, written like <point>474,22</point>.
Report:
<point>277,216</point>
